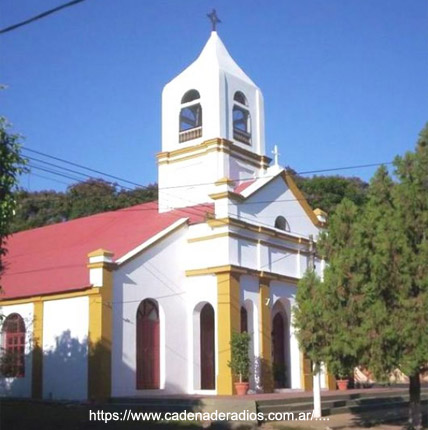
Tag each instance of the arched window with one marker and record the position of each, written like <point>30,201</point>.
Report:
<point>241,118</point>
<point>190,96</point>
<point>190,116</point>
<point>244,320</point>
<point>240,98</point>
<point>148,365</point>
<point>282,224</point>
<point>13,357</point>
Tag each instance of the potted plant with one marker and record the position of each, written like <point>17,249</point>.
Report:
<point>341,369</point>
<point>240,362</point>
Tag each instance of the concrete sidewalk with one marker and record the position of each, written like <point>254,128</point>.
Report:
<point>395,419</point>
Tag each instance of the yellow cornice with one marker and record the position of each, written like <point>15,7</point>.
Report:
<point>233,235</point>
<point>214,149</point>
<point>101,265</point>
<point>224,181</point>
<point>320,212</point>
<point>226,195</point>
<point>101,253</point>
<point>243,271</point>
<point>53,296</point>
<point>221,222</point>
<point>217,145</point>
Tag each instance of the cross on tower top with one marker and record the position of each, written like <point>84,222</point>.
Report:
<point>276,154</point>
<point>214,19</point>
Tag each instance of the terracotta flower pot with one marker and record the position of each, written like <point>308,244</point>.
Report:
<point>241,388</point>
<point>342,384</point>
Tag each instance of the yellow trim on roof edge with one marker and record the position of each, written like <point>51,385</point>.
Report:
<point>301,198</point>
<point>54,296</point>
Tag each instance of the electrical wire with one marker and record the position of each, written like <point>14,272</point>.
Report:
<point>39,16</point>
<point>350,167</point>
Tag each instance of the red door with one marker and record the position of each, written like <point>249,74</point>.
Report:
<point>148,345</point>
<point>207,348</point>
<point>278,351</point>
<point>244,320</point>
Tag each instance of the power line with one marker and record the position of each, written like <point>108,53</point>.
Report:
<point>55,173</point>
<point>48,178</point>
<point>349,167</point>
<point>358,166</point>
<point>83,167</point>
<point>70,170</point>
<point>201,211</point>
<point>188,211</point>
<point>39,16</point>
<point>312,196</point>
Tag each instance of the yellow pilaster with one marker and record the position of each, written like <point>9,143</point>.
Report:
<point>100,327</point>
<point>306,373</point>
<point>37,353</point>
<point>228,313</point>
<point>265,330</point>
<point>330,381</point>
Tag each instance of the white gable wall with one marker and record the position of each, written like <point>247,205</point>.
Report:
<point>273,200</point>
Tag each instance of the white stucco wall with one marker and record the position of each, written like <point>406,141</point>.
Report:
<point>65,349</point>
<point>159,274</point>
<point>283,202</point>
<point>20,387</point>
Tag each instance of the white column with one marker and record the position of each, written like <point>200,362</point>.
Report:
<point>317,394</point>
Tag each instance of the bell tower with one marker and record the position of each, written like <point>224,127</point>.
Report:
<point>212,128</point>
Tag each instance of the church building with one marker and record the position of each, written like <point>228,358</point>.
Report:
<point>143,301</point>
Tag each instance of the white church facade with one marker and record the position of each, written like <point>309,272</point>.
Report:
<point>143,301</point>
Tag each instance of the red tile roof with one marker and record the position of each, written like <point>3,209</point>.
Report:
<point>243,185</point>
<point>53,259</point>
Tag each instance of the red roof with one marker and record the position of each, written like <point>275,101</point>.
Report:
<point>53,259</point>
<point>243,185</point>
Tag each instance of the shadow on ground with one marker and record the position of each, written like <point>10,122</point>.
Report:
<point>32,415</point>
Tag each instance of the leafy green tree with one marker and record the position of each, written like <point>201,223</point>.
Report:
<point>326,192</point>
<point>138,195</point>
<point>328,313</point>
<point>12,164</point>
<point>384,251</point>
<point>39,208</point>
<point>411,201</point>
<point>91,197</point>
<point>376,280</point>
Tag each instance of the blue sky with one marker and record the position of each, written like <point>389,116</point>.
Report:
<point>344,81</point>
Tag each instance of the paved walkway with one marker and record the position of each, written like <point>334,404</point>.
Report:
<point>387,420</point>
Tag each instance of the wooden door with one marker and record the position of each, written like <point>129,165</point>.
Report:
<point>207,348</point>
<point>148,363</point>
<point>278,351</point>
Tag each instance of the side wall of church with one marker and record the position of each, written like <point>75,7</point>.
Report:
<point>65,348</point>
